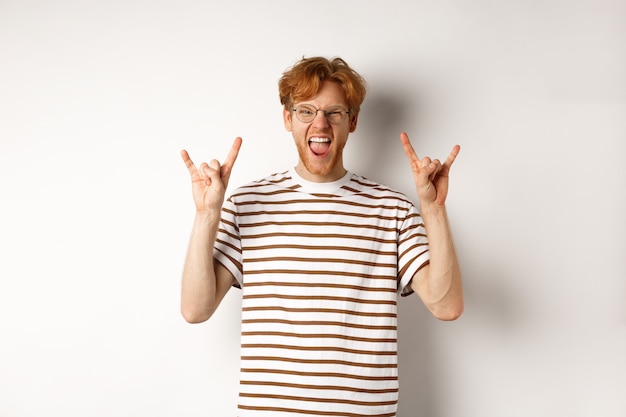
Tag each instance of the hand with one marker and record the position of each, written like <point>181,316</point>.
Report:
<point>209,183</point>
<point>430,176</point>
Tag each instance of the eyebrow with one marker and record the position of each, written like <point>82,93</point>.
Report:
<point>329,107</point>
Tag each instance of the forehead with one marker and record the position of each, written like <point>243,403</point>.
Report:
<point>329,94</point>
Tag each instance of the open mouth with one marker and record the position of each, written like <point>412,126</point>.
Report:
<point>319,146</point>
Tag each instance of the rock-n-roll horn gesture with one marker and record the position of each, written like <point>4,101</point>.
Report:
<point>430,176</point>
<point>209,181</point>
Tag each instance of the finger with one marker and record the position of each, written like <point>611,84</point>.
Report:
<point>212,169</point>
<point>429,166</point>
<point>422,171</point>
<point>435,168</point>
<point>408,148</point>
<point>227,167</point>
<point>452,157</point>
<point>214,165</point>
<point>231,157</point>
<point>187,160</point>
<point>203,172</point>
<point>211,172</point>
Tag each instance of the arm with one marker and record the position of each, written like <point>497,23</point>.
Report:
<point>438,284</point>
<point>206,282</point>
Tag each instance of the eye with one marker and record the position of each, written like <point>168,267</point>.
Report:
<point>335,112</point>
<point>305,111</point>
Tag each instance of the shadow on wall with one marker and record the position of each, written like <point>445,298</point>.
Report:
<point>378,155</point>
<point>491,309</point>
<point>491,299</point>
<point>375,152</point>
<point>417,395</point>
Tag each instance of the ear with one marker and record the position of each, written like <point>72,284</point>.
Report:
<point>287,119</point>
<point>353,121</point>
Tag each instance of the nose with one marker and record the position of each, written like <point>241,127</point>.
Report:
<point>320,119</point>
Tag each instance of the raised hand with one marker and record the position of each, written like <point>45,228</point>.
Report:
<point>430,176</point>
<point>209,182</point>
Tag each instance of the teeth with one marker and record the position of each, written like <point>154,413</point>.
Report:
<point>319,140</point>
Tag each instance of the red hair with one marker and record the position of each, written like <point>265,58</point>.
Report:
<point>304,80</point>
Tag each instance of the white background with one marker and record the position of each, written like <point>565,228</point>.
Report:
<point>98,98</point>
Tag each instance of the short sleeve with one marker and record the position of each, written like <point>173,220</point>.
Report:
<point>227,249</point>
<point>413,252</point>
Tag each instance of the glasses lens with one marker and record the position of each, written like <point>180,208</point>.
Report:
<point>305,113</point>
<point>336,115</point>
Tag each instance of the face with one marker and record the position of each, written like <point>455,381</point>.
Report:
<point>320,144</point>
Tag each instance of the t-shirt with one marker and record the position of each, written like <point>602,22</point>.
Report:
<point>320,266</point>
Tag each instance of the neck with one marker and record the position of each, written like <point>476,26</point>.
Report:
<point>334,175</point>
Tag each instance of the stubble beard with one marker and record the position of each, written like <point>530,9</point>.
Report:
<point>315,168</point>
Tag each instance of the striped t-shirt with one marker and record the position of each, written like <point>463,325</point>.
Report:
<point>320,266</point>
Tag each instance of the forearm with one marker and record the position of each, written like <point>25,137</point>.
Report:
<point>198,293</point>
<point>440,284</point>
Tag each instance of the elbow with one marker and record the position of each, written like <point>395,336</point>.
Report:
<point>194,316</point>
<point>449,315</point>
<point>449,312</point>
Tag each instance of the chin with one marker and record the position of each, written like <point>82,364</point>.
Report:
<point>318,168</point>
<point>315,169</point>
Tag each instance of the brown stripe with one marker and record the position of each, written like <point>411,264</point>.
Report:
<point>321,236</point>
<point>229,234</point>
<point>320,285</point>
<point>233,247</point>
<point>264,193</point>
<point>325,224</point>
<point>325,273</point>
<point>321,336</point>
<point>319,349</point>
<point>408,264</point>
<point>321,310</point>
<point>319,201</point>
<point>310,247</point>
<point>321,260</point>
<point>232,213</point>
<point>322,361</point>
<point>319,400</point>
<point>319,297</point>
<point>413,227</point>
<point>320,323</point>
<point>320,374</point>
<point>314,412</point>
<point>382,197</point>
<point>281,177</point>
<point>413,247</point>
<point>376,186</point>
<point>322,387</point>
<point>233,260</point>
<point>321,212</point>
<point>412,237</point>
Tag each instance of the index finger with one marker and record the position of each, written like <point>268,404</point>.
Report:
<point>408,148</point>
<point>187,160</point>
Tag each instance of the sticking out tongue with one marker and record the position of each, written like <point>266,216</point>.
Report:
<point>319,148</point>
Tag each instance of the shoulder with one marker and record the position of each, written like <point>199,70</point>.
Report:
<point>268,185</point>
<point>279,180</point>
<point>373,189</point>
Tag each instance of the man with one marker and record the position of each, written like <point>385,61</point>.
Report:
<point>320,254</point>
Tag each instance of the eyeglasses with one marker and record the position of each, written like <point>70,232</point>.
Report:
<point>307,113</point>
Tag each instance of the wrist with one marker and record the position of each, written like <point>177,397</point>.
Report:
<point>432,209</point>
<point>207,218</point>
